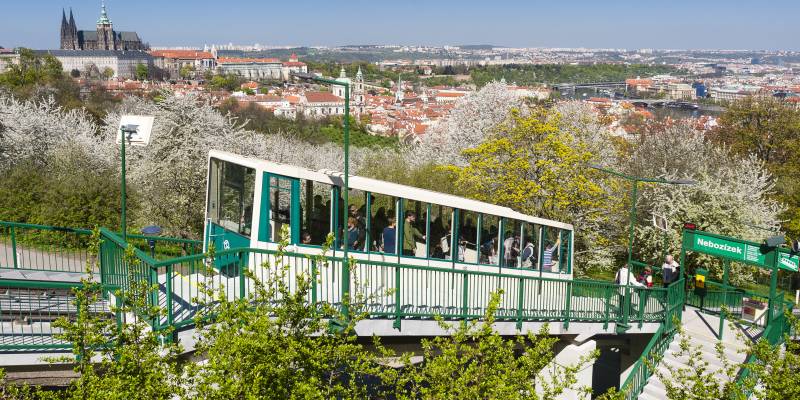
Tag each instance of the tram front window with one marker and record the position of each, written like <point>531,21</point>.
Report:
<point>230,202</point>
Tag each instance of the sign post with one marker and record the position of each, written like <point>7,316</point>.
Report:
<point>135,130</point>
<point>768,256</point>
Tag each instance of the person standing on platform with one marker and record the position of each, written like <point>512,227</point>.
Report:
<point>669,270</point>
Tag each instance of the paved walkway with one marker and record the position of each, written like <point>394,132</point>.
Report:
<point>30,260</point>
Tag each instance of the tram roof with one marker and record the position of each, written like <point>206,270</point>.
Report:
<point>382,187</point>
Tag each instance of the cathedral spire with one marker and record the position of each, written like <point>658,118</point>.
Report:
<point>72,26</point>
<point>359,74</point>
<point>63,22</point>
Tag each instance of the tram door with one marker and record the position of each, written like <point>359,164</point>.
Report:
<point>280,208</point>
<point>230,208</point>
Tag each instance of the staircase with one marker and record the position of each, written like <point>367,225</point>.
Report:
<point>701,329</point>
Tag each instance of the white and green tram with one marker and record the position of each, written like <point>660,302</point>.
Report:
<point>250,201</point>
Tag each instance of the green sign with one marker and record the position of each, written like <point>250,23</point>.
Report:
<point>787,262</point>
<point>739,250</point>
<point>734,250</point>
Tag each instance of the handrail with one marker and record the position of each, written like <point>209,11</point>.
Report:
<point>89,232</point>
<point>634,384</point>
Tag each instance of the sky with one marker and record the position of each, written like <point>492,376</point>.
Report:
<point>664,24</point>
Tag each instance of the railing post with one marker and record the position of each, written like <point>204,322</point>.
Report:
<point>346,287</point>
<point>642,303</point>
<point>154,289</point>
<point>626,305</point>
<point>609,292</point>
<point>170,316</point>
<point>14,246</point>
<point>397,306</point>
<point>243,261</point>
<point>520,302</point>
<point>465,296</point>
<point>569,303</point>
<point>313,284</point>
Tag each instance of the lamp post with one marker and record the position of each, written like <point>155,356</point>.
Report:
<point>127,132</point>
<point>314,78</point>
<point>634,194</point>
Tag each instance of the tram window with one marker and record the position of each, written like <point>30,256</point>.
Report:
<point>383,224</point>
<point>231,196</point>
<point>280,207</point>
<point>530,246</point>
<point>551,243</point>
<point>511,242</point>
<point>440,232</point>
<point>356,227</point>
<point>467,237</point>
<point>413,226</point>
<point>564,252</point>
<point>489,239</point>
<point>315,206</point>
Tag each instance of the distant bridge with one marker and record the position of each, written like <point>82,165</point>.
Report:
<point>573,86</point>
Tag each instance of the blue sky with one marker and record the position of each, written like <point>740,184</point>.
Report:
<point>701,24</point>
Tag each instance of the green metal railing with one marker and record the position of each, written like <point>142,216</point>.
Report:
<point>775,333</point>
<point>643,369</point>
<point>28,310</point>
<point>391,290</point>
<point>59,249</point>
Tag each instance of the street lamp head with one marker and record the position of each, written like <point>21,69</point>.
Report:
<point>130,128</point>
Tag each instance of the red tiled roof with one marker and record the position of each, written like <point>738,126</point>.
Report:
<point>185,54</point>
<point>322,97</point>
<point>294,64</point>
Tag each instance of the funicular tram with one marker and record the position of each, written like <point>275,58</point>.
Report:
<point>249,201</point>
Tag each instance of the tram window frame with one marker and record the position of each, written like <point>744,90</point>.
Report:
<point>531,232</point>
<point>378,223</point>
<point>565,252</point>
<point>359,199</point>
<point>468,237</point>
<point>440,226</point>
<point>318,223</point>
<point>485,229</point>
<point>280,185</point>
<point>514,227</point>
<point>420,209</point>
<point>219,171</point>
<point>550,234</point>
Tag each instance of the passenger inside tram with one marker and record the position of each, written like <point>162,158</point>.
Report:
<point>510,250</point>
<point>389,237</point>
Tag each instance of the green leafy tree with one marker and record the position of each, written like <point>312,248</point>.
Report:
<point>776,368</point>
<point>32,69</point>
<point>273,344</point>
<point>108,72</point>
<point>474,362</point>
<point>770,129</point>
<point>119,360</point>
<point>532,165</point>
<point>142,72</point>
<point>187,71</point>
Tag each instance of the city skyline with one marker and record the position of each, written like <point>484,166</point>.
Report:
<point>623,24</point>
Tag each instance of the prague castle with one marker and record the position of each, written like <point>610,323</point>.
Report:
<point>103,38</point>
